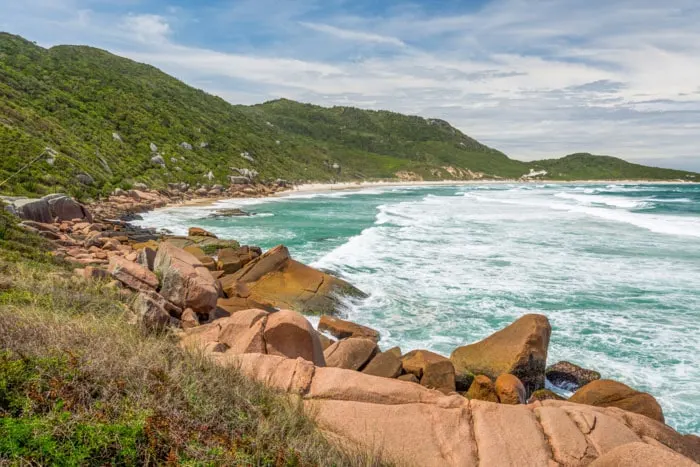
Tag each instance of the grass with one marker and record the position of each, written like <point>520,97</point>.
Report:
<point>80,386</point>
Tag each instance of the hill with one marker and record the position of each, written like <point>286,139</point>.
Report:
<point>584,166</point>
<point>110,122</point>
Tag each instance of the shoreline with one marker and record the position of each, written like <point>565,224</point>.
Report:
<point>311,188</point>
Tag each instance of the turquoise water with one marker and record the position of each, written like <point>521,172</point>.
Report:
<point>616,269</point>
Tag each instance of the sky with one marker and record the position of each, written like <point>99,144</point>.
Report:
<point>534,78</point>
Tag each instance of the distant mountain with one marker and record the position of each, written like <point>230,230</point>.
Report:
<point>111,122</point>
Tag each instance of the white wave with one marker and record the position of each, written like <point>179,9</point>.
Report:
<point>618,202</point>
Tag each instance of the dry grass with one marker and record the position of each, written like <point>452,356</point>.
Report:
<point>80,386</point>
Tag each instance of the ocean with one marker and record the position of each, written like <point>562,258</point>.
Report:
<point>615,268</point>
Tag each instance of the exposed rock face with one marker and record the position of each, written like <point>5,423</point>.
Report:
<point>482,389</point>
<point>510,389</point>
<point>641,455</point>
<point>569,376</point>
<point>64,208</point>
<point>608,393</point>
<point>37,210</point>
<point>544,395</point>
<point>133,275</point>
<point>351,354</point>
<point>150,310</point>
<point>385,364</point>
<point>519,349</point>
<point>407,424</point>
<point>289,334</point>
<point>199,232</point>
<point>277,279</point>
<point>342,329</point>
<point>185,281</point>
<point>433,370</point>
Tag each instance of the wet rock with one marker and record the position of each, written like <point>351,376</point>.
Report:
<point>342,329</point>
<point>569,376</point>
<point>519,349</point>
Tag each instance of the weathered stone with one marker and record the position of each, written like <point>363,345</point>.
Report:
<point>189,319</point>
<point>342,329</point>
<point>569,445</point>
<point>641,455</point>
<point>568,376</point>
<point>64,208</point>
<point>199,232</point>
<point>433,370</point>
<point>350,354</point>
<point>185,281</point>
<point>151,311</point>
<point>544,395</point>
<point>647,428</point>
<point>133,275</point>
<point>519,349</point>
<point>482,389</point>
<point>146,257</point>
<point>463,381</point>
<point>409,377</point>
<point>37,210</point>
<point>289,334</point>
<point>243,332</point>
<point>385,364</point>
<point>510,389</point>
<point>325,340</point>
<point>609,393</point>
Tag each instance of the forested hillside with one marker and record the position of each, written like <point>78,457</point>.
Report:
<point>100,122</point>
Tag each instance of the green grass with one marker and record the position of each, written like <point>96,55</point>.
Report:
<point>81,386</point>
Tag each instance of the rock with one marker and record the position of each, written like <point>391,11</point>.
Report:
<point>37,210</point>
<point>189,319</point>
<point>151,311</point>
<point>544,395</point>
<point>185,281</point>
<point>350,354</point>
<point>510,390</point>
<point>85,179</point>
<point>199,232</point>
<point>463,381</point>
<point>325,340</point>
<point>153,147</point>
<point>243,332</point>
<point>482,389</point>
<point>146,257</point>
<point>342,329</point>
<point>385,364</point>
<point>229,261</point>
<point>609,393</point>
<point>409,378</point>
<point>230,213</point>
<point>568,376</point>
<point>186,146</point>
<point>433,370</point>
<point>116,137</point>
<point>289,334</point>
<point>64,208</point>
<point>519,349</point>
<point>277,279</point>
<point>158,160</point>
<point>133,275</point>
<point>641,455</point>
<point>236,180</point>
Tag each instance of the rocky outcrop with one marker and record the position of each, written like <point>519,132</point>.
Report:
<point>385,364</point>
<point>568,376</point>
<point>432,370</point>
<point>277,279</point>
<point>133,275</point>
<point>342,329</point>
<point>351,354</point>
<point>289,334</point>
<point>185,281</point>
<point>519,349</point>
<point>510,390</point>
<point>608,393</point>
<point>642,455</point>
<point>407,424</point>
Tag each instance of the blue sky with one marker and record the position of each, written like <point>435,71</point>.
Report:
<point>534,78</point>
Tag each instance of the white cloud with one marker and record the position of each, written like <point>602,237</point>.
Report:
<point>148,29</point>
<point>353,35</point>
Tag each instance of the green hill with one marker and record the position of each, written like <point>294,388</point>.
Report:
<point>585,166</point>
<point>113,122</point>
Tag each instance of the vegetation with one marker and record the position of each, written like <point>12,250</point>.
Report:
<point>101,114</point>
<point>590,167</point>
<point>80,386</point>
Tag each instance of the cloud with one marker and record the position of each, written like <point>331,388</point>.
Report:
<point>533,78</point>
<point>347,34</point>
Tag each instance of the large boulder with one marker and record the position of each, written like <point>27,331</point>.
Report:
<point>37,210</point>
<point>133,275</point>
<point>277,279</point>
<point>385,364</point>
<point>433,370</point>
<point>569,376</point>
<point>642,455</point>
<point>151,312</point>
<point>351,354</point>
<point>289,334</point>
<point>65,208</point>
<point>342,329</point>
<point>519,349</point>
<point>609,393</point>
<point>243,332</point>
<point>185,281</point>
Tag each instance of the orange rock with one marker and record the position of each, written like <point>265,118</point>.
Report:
<point>385,364</point>
<point>132,275</point>
<point>342,329</point>
<point>642,455</point>
<point>289,334</point>
<point>433,370</point>
<point>608,393</point>
<point>519,349</point>
<point>351,354</point>
<point>510,389</point>
<point>199,232</point>
<point>482,389</point>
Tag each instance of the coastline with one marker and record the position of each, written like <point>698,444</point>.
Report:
<point>310,188</point>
